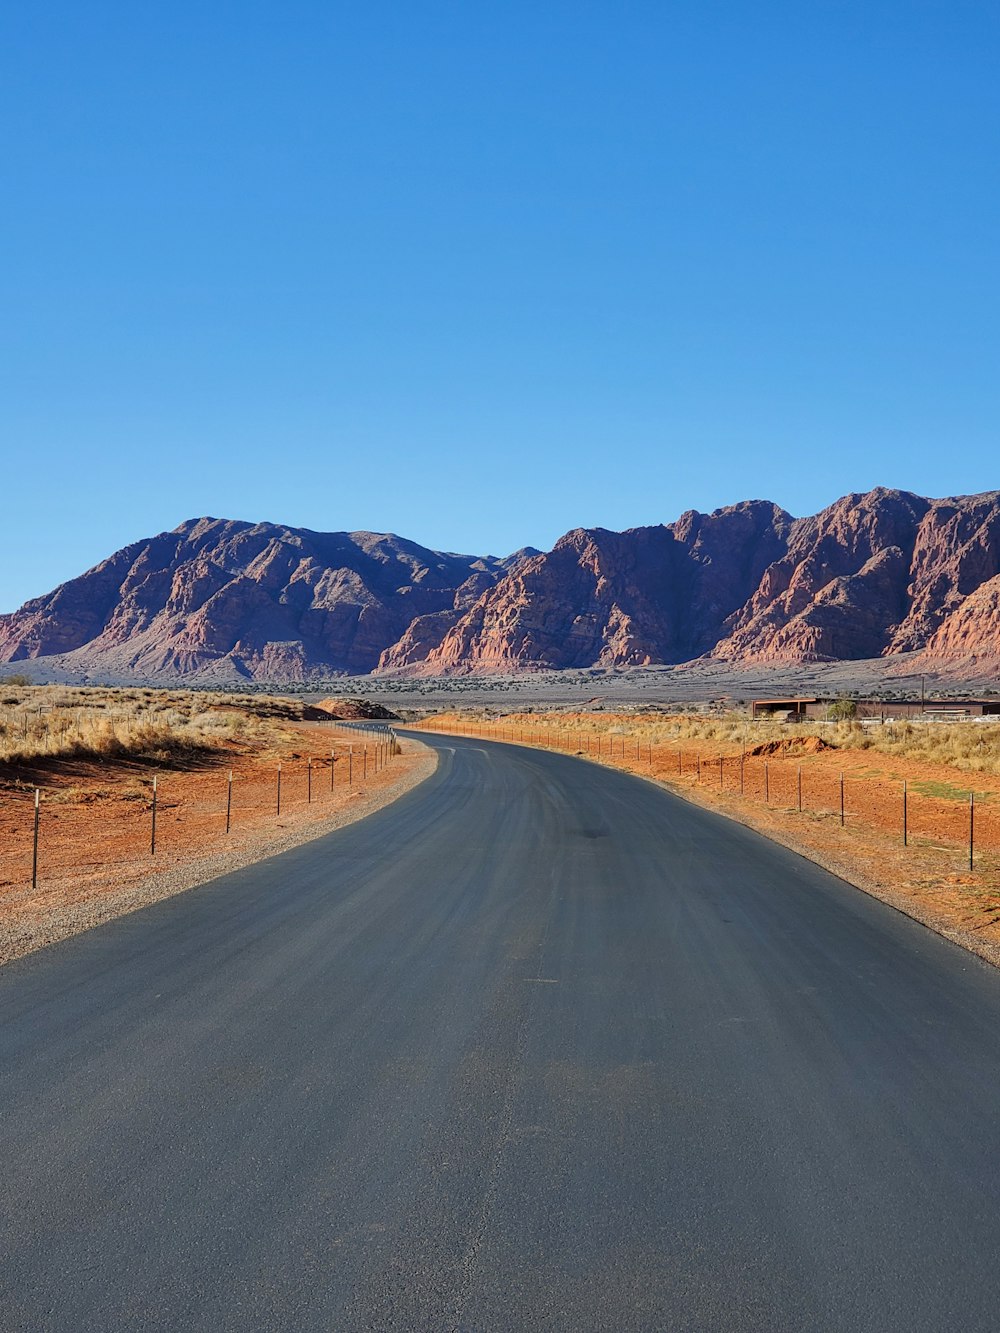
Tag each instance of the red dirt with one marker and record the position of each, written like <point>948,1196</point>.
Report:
<point>95,821</point>
<point>794,745</point>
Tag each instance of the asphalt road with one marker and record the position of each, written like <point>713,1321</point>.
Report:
<point>538,1047</point>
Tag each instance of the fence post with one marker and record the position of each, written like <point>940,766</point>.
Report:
<point>333,758</point>
<point>800,788</point>
<point>841,800</point>
<point>152,835</point>
<point>34,854</point>
<point>279,789</point>
<point>767,784</point>
<point>229,800</point>
<point>972,826</point>
<point>350,765</point>
<point>906,832</point>
<point>742,757</point>
<point>720,772</point>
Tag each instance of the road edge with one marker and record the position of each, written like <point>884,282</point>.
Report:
<point>92,914</point>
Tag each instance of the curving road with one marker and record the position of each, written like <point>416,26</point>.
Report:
<point>538,1047</point>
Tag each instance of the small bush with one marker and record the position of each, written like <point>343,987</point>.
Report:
<point>842,710</point>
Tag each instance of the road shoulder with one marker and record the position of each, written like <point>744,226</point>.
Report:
<point>29,924</point>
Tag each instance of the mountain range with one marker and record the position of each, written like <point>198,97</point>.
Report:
<point>872,575</point>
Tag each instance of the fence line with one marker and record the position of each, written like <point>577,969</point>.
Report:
<point>223,802</point>
<point>784,785</point>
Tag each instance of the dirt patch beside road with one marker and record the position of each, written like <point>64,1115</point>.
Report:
<point>794,745</point>
<point>95,827</point>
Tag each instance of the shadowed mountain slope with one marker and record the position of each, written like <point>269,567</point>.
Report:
<point>873,574</point>
<point>245,599</point>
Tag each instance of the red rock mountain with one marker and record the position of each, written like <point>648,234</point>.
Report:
<point>874,574</point>
<point>245,599</point>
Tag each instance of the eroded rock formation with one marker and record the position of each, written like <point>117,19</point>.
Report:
<point>873,574</point>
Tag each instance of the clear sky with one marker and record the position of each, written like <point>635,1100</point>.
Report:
<point>480,272</point>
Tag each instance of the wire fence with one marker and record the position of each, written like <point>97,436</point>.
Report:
<point>956,820</point>
<point>55,830</point>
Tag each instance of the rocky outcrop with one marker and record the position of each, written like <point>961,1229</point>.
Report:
<point>246,600</point>
<point>349,710</point>
<point>839,588</point>
<point>956,552</point>
<point>648,595</point>
<point>874,574</point>
<point>969,640</point>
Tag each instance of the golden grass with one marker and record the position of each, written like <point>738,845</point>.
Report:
<point>968,746</point>
<point>47,721</point>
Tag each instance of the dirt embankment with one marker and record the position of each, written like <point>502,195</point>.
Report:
<point>95,846</point>
<point>790,788</point>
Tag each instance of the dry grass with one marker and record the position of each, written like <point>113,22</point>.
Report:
<point>49,721</point>
<point>972,747</point>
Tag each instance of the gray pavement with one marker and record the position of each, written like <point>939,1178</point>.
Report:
<point>538,1047</point>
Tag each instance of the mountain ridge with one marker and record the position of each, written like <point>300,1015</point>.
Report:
<point>874,574</point>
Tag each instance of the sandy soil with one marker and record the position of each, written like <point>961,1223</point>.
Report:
<point>929,878</point>
<point>95,825</point>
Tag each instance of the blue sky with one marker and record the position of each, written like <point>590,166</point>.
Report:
<point>478,273</point>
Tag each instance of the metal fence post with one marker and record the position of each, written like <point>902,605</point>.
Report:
<point>972,826</point>
<point>906,831</point>
<point>34,855</point>
<point>279,790</point>
<point>229,800</point>
<point>152,835</point>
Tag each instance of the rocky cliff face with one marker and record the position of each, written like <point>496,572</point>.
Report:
<point>874,574</point>
<point>604,598</point>
<point>243,599</point>
<point>968,641</point>
<point>837,589</point>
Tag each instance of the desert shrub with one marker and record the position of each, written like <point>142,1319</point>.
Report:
<point>841,710</point>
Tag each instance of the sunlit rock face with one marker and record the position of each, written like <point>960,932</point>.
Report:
<point>874,574</point>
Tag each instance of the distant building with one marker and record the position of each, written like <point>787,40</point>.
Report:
<point>886,710</point>
<point>787,710</point>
